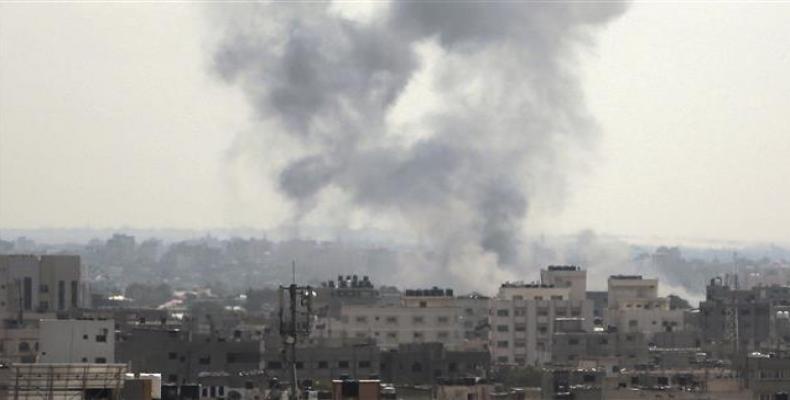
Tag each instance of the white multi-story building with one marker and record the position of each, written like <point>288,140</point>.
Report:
<point>33,287</point>
<point>76,341</point>
<point>523,318</point>
<point>422,316</point>
<point>59,341</point>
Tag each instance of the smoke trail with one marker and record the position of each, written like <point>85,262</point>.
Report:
<point>509,118</point>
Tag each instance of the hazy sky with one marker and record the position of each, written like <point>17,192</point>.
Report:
<point>110,115</point>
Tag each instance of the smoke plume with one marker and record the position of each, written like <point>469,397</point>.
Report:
<point>509,114</point>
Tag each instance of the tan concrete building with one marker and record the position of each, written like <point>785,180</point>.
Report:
<point>421,317</point>
<point>566,276</point>
<point>524,317</point>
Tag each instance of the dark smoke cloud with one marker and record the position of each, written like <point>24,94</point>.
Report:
<point>510,117</point>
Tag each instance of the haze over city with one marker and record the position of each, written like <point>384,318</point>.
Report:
<point>394,200</point>
<point>115,115</point>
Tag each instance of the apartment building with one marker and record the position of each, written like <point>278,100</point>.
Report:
<point>59,341</point>
<point>181,356</point>
<point>422,316</point>
<point>33,286</point>
<point>523,318</point>
<point>76,341</point>
<point>566,276</point>
<point>734,320</point>
<point>634,306</point>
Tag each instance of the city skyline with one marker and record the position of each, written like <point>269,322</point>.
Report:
<point>139,132</point>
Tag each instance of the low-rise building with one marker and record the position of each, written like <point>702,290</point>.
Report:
<point>181,356</point>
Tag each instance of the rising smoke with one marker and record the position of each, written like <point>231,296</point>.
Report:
<point>510,114</point>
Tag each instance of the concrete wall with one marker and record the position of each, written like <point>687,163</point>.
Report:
<point>77,341</point>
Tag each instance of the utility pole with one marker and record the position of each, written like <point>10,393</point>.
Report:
<point>295,322</point>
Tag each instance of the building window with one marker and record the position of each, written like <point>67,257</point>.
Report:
<point>543,312</point>
<point>172,356</point>
<point>443,335</point>
<point>74,293</point>
<point>28,293</point>
<point>443,319</point>
<point>323,364</point>
<point>502,328</point>
<point>172,378</point>
<point>502,359</point>
<point>342,364</point>
<point>205,360</point>
<point>43,289</point>
<point>274,365</point>
<point>392,335</point>
<point>520,327</point>
<point>557,297</point>
<point>520,343</point>
<point>102,337</point>
<point>61,295</point>
<point>24,347</point>
<point>364,364</point>
<point>423,304</point>
<point>573,341</point>
<point>418,335</point>
<point>101,360</point>
<point>503,344</point>
<point>416,367</point>
<point>418,319</point>
<point>362,319</point>
<point>392,320</point>
<point>502,312</point>
<point>299,365</point>
<point>520,311</point>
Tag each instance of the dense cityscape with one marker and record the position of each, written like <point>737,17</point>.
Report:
<point>170,336</point>
<point>394,200</point>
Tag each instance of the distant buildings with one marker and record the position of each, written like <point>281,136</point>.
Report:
<point>737,321</point>
<point>624,343</point>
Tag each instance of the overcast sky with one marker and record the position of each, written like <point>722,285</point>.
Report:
<point>110,116</point>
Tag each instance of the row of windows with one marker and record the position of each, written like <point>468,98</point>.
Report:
<point>539,298</point>
<point>518,327</point>
<point>27,294</point>
<point>504,344</point>
<point>417,319</point>
<point>395,335</point>
<point>230,358</point>
<point>320,364</point>
<point>541,312</point>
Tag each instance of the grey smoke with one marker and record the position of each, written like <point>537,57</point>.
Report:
<point>329,83</point>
